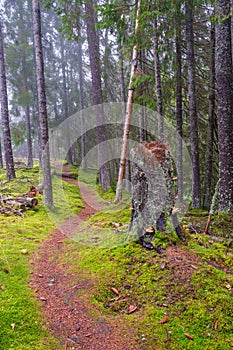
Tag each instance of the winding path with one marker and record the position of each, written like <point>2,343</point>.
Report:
<point>64,297</point>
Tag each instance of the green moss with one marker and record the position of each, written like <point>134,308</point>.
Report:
<point>17,301</point>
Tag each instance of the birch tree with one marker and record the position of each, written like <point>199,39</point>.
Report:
<point>129,108</point>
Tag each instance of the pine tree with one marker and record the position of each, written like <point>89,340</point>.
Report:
<point>42,108</point>
<point>224,80</point>
<point>10,171</point>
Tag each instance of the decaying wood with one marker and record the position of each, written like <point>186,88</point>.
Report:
<point>18,204</point>
<point>153,195</point>
<point>26,201</point>
<point>65,175</point>
<point>9,210</point>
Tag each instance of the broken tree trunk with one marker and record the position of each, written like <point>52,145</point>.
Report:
<point>153,195</point>
<point>129,109</point>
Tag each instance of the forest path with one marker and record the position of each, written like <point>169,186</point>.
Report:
<point>69,316</point>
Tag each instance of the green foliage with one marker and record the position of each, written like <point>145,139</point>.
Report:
<point>17,301</point>
<point>193,300</point>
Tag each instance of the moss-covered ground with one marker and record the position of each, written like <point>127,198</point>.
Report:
<point>182,296</point>
<point>20,319</point>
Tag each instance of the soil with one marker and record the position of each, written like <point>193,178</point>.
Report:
<point>67,314</point>
<point>64,297</point>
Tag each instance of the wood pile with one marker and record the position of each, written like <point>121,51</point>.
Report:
<point>17,205</point>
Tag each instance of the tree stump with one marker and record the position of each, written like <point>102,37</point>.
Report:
<point>153,194</point>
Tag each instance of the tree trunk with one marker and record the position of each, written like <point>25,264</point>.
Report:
<point>142,115</point>
<point>179,114</point>
<point>29,137</point>
<point>196,188</point>
<point>65,102</point>
<point>93,46</point>
<point>128,114</point>
<point>1,159</point>
<point>158,83</point>
<point>211,125</point>
<point>25,82</point>
<point>48,194</point>
<point>82,102</point>
<point>153,196</point>
<point>224,81</point>
<point>122,79</point>
<point>10,171</point>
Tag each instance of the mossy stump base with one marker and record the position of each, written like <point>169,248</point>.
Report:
<point>153,195</point>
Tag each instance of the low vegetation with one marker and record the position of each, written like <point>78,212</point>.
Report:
<point>21,321</point>
<point>177,298</point>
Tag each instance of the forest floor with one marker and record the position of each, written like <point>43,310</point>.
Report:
<point>68,316</point>
<point>95,293</point>
<point>79,324</point>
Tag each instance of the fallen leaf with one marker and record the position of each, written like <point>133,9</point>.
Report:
<point>194,267</point>
<point>228,286</point>
<point>24,251</point>
<point>164,320</point>
<point>163,265</point>
<point>43,299</point>
<point>114,290</point>
<point>3,287</point>
<point>131,309</point>
<point>13,325</point>
<point>216,325</point>
<point>189,336</point>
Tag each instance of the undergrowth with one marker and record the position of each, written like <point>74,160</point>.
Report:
<point>198,304</point>
<point>21,323</point>
<point>181,301</point>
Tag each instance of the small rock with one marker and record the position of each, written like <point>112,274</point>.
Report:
<point>24,251</point>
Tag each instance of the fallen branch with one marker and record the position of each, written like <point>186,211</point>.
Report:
<point>214,199</point>
<point>66,175</point>
<point>7,210</point>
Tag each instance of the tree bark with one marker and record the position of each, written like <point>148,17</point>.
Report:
<point>65,101</point>
<point>1,159</point>
<point>128,113</point>
<point>29,137</point>
<point>25,81</point>
<point>93,46</point>
<point>10,171</point>
<point>211,125</point>
<point>196,188</point>
<point>82,102</point>
<point>179,114</point>
<point>48,194</point>
<point>224,81</point>
<point>158,83</point>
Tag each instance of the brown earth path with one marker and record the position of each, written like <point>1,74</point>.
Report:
<point>66,314</point>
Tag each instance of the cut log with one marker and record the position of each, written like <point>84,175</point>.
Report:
<point>26,201</point>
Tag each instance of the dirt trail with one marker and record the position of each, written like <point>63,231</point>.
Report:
<point>65,313</point>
